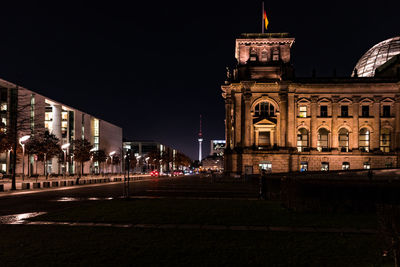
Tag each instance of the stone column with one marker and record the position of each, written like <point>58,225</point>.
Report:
<point>313,122</point>
<point>334,130</point>
<point>376,135</point>
<point>291,121</point>
<point>272,137</point>
<point>356,130</point>
<point>228,122</point>
<point>56,130</point>
<point>397,123</point>
<point>257,133</point>
<point>237,112</point>
<point>283,119</point>
<point>247,120</point>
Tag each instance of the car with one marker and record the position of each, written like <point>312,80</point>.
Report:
<point>155,173</point>
<point>177,172</point>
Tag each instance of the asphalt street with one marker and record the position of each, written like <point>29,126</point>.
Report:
<point>174,187</point>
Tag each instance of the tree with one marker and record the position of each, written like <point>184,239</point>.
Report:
<point>99,156</point>
<point>81,151</point>
<point>154,159</point>
<point>182,160</point>
<point>45,146</point>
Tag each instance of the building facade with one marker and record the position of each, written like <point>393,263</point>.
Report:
<point>37,113</point>
<point>281,123</point>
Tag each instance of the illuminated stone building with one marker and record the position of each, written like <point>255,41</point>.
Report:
<point>39,113</point>
<point>281,123</point>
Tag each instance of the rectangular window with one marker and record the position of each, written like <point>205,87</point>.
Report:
<point>324,111</point>
<point>344,111</point>
<point>3,107</point>
<point>324,166</point>
<point>303,112</point>
<point>386,111</point>
<point>367,166</point>
<point>345,166</point>
<point>365,111</point>
<point>303,166</point>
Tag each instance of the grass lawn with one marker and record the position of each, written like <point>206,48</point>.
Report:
<point>214,212</point>
<point>24,245</point>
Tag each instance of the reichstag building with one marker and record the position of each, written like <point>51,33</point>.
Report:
<point>280,123</point>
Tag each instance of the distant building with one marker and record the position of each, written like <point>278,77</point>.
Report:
<point>213,163</point>
<point>142,149</point>
<point>38,113</point>
<point>217,147</point>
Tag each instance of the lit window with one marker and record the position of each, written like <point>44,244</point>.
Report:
<point>324,166</point>
<point>267,166</point>
<point>64,115</point>
<point>385,140</point>
<point>303,166</point>
<point>363,142</point>
<point>302,140</point>
<point>48,116</point>
<point>303,112</point>
<point>345,166</point>
<point>344,140</point>
<point>64,124</point>
<point>322,144</point>
<point>367,165</point>
<point>3,107</point>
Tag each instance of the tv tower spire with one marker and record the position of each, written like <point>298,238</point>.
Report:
<point>200,141</point>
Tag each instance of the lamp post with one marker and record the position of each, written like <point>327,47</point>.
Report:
<point>64,148</point>
<point>21,142</point>
<point>91,159</point>
<point>112,158</point>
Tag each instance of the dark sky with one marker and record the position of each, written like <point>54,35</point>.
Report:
<point>153,68</point>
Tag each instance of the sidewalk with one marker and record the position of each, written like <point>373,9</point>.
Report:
<point>52,182</point>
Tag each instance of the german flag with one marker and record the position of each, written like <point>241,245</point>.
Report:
<point>265,20</point>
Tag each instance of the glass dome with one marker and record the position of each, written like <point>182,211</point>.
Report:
<point>377,56</point>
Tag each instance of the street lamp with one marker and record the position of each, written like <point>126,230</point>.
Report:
<point>91,159</point>
<point>64,147</point>
<point>21,142</point>
<point>112,159</point>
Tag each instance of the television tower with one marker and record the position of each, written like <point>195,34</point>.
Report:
<point>200,141</point>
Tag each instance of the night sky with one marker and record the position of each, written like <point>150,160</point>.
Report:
<point>153,68</point>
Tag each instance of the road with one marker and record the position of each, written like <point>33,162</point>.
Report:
<point>176,187</point>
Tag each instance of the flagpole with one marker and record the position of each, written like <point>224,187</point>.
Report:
<point>262,17</point>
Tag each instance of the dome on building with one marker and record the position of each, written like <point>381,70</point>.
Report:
<point>378,55</point>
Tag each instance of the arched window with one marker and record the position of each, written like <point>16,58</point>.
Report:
<point>385,140</point>
<point>264,109</point>
<point>344,140</point>
<point>363,141</point>
<point>323,144</point>
<point>302,140</point>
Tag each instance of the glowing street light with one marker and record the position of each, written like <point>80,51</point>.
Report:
<point>64,148</point>
<point>112,159</point>
<point>22,141</point>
